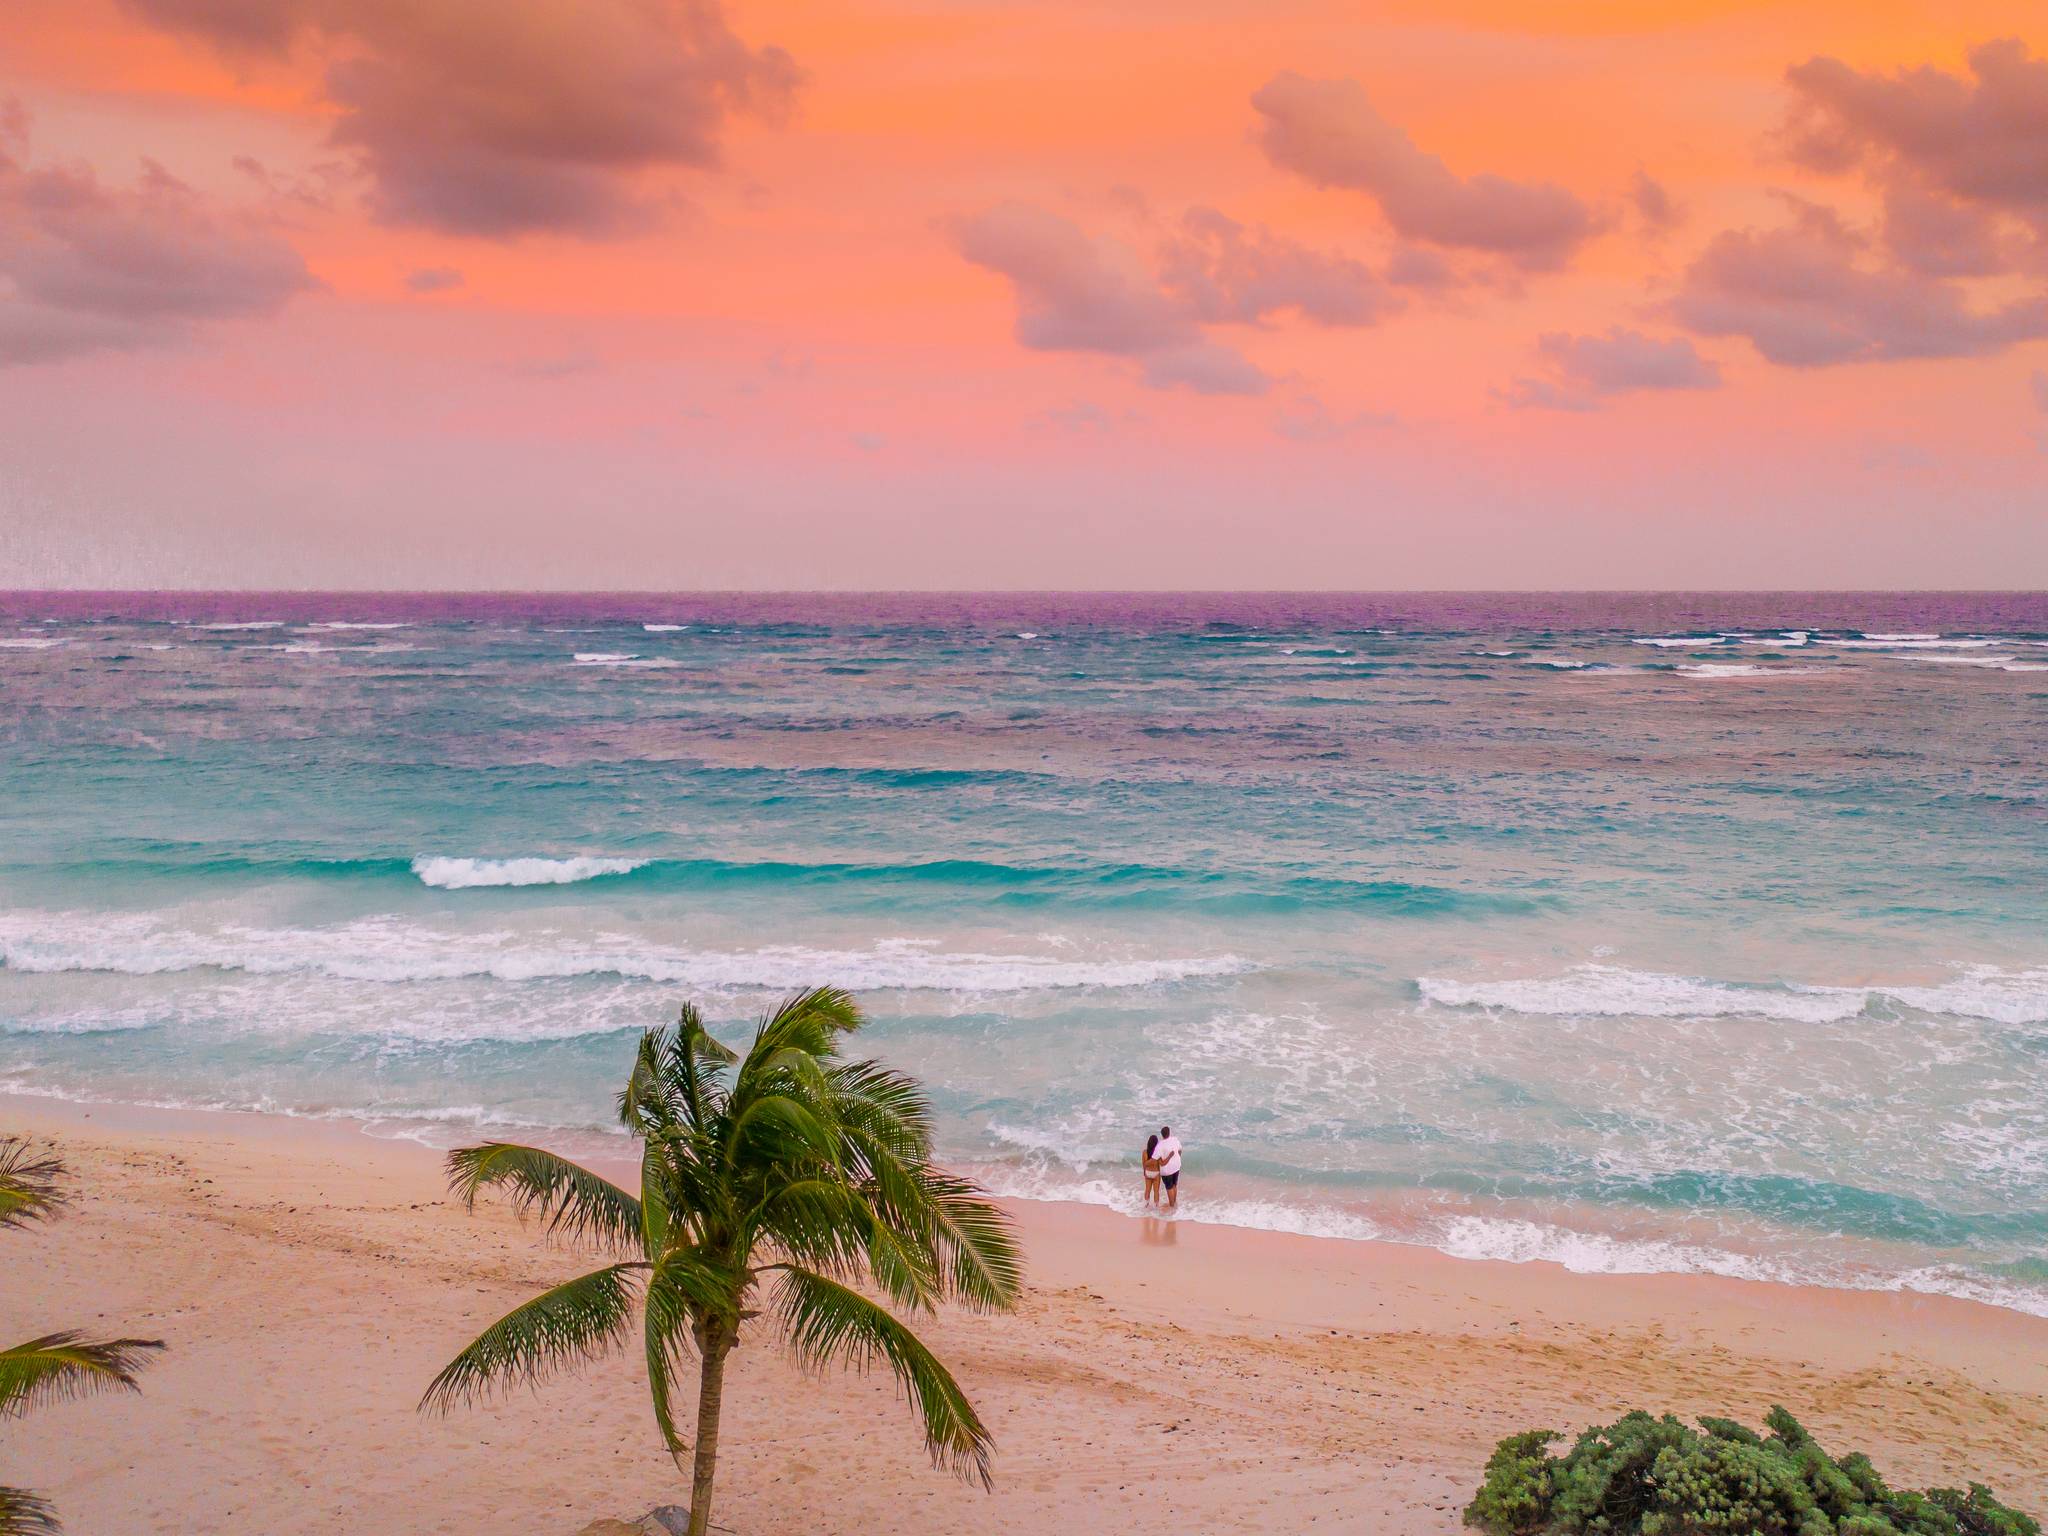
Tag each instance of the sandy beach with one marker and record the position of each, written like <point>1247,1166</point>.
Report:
<point>310,1279</point>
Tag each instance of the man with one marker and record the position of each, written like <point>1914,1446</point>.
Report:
<point>1168,1153</point>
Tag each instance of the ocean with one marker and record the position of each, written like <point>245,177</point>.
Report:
<point>1635,932</point>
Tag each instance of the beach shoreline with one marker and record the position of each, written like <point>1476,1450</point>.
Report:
<point>1211,1377</point>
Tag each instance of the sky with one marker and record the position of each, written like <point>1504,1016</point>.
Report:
<point>1114,294</point>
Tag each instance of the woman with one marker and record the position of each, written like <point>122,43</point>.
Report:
<point>1151,1171</point>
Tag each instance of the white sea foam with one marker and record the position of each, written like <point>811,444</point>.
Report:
<point>1989,663</point>
<point>1027,634</point>
<point>1914,643</point>
<point>664,629</point>
<point>1878,634</point>
<point>248,624</point>
<point>452,874</point>
<point>1501,1239</point>
<point>1743,669</point>
<point>1562,663</point>
<point>1607,991</point>
<point>1685,641</point>
<point>621,659</point>
<point>392,950</point>
<point>356,624</point>
<point>37,644</point>
<point>1794,636</point>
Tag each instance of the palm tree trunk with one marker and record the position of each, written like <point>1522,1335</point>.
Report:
<point>716,1344</point>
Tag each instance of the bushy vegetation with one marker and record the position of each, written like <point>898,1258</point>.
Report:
<point>1645,1476</point>
<point>58,1366</point>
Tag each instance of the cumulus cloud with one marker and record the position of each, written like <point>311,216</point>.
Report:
<point>1075,294</point>
<point>1809,295</point>
<point>1330,132</point>
<point>95,267</point>
<point>1585,371</point>
<point>1225,272</point>
<point>506,117</point>
<point>1983,139</point>
<point>1940,237</point>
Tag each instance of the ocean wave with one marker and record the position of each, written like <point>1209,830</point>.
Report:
<point>452,874</point>
<point>1743,669</point>
<point>356,624</point>
<point>390,950</point>
<point>664,629</point>
<point>245,624</point>
<point>1606,991</point>
<point>1917,642</point>
<point>1114,886</point>
<point>1683,641</point>
<point>37,644</point>
<point>621,659</point>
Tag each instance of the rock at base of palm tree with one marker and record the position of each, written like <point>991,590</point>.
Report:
<point>662,1520</point>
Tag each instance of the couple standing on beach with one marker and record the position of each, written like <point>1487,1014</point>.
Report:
<point>1162,1168</point>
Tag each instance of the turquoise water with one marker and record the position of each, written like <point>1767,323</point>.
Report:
<point>1636,933</point>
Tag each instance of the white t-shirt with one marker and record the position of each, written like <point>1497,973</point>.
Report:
<point>1168,1153</point>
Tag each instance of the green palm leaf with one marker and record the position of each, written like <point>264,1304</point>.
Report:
<point>788,1166</point>
<point>573,1202</point>
<point>572,1324</point>
<point>59,1367</point>
<point>24,1514</point>
<point>29,1190</point>
<point>829,1324</point>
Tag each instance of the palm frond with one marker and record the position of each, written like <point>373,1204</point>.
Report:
<point>829,1323</point>
<point>572,1201</point>
<point>664,1328</point>
<point>25,1514</point>
<point>696,1062</point>
<point>59,1367</point>
<point>977,1242</point>
<point>29,1187</point>
<point>776,1128</point>
<point>576,1322</point>
<point>885,1105</point>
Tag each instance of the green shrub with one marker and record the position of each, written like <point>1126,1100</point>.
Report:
<point>1646,1476</point>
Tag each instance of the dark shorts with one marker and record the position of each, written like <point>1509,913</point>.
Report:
<point>1169,1179</point>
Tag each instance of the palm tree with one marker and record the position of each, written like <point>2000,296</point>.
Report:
<point>769,1186</point>
<point>58,1366</point>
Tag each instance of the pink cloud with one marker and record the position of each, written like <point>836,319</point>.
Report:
<point>1809,295</point>
<point>1077,295</point>
<point>1330,132</point>
<point>1225,272</point>
<point>490,119</point>
<point>104,268</point>
<point>1982,140</point>
<point>1585,371</point>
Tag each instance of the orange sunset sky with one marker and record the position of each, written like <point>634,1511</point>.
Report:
<point>652,293</point>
